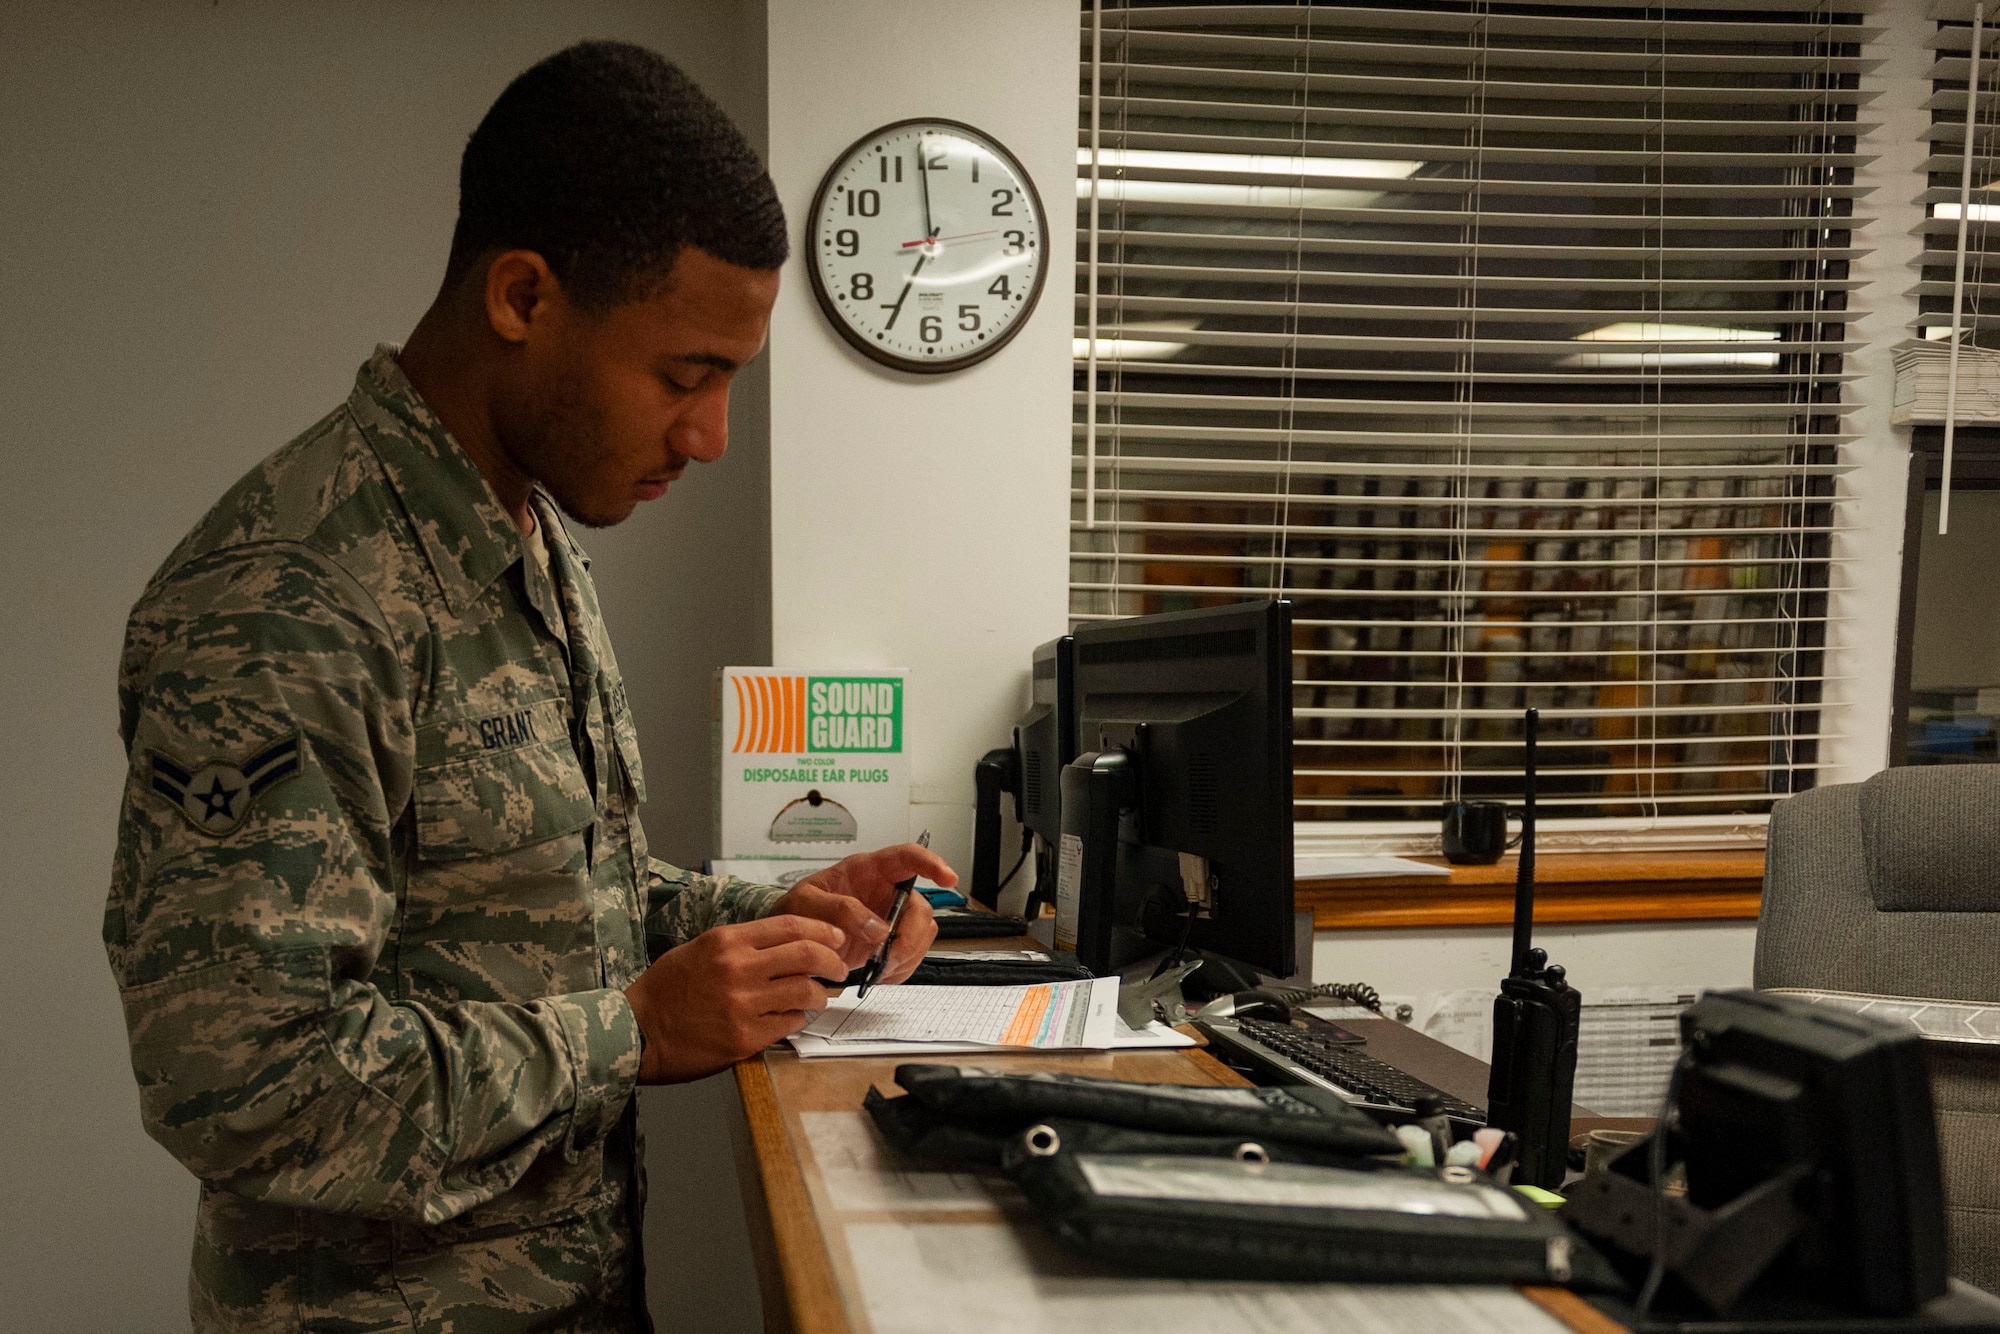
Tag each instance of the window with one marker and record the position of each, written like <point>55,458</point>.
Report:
<point>1950,77</point>
<point>1506,342</point>
<point>1948,700</point>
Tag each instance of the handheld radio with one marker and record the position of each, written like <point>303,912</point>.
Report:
<point>1535,1022</point>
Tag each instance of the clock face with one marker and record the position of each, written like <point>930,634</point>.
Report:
<point>929,245</point>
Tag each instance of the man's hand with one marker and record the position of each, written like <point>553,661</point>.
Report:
<point>854,895</point>
<point>730,992</point>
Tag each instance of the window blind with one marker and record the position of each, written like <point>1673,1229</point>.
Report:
<point>1506,341</point>
<point>1950,74</point>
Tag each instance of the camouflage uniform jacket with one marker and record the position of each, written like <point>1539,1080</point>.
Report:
<point>380,883</point>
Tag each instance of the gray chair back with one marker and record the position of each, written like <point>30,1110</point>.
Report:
<point>1891,887</point>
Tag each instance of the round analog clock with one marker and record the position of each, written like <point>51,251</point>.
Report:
<point>929,245</point>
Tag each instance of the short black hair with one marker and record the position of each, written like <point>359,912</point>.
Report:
<point>607,160</point>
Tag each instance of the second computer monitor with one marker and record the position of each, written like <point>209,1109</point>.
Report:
<point>1045,738</point>
<point>1187,718</point>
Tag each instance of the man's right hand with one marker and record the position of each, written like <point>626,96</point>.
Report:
<point>730,992</point>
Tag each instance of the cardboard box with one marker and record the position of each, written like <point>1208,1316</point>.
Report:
<point>809,764</point>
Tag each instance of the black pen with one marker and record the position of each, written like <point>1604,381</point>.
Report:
<point>873,970</point>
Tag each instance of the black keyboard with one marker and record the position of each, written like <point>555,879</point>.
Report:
<point>1309,1057</point>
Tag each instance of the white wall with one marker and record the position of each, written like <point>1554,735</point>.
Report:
<point>210,214</point>
<point>922,521</point>
<point>1861,637</point>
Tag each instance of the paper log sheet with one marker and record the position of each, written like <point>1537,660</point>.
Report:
<point>1049,1015</point>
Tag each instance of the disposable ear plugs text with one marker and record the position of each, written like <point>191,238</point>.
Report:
<point>809,763</point>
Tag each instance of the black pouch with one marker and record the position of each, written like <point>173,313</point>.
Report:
<point>918,1132</point>
<point>1046,1137</point>
<point>1303,1116</point>
<point>950,970</point>
<point>970,924</point>
<point>1185,1216</point>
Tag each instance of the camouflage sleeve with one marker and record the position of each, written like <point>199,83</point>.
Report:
<point>680,905</point>
<point>267,713</point>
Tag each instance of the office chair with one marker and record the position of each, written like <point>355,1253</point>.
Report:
<point>1890,888</point>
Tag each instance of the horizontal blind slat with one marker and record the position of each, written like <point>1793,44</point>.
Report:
<point>1432,471</point>
<point>1363,16</point>
<point>1322,84</point>
<point>1166,110</point>
<point>1313,278</point>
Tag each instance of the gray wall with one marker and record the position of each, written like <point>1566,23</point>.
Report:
<point>209,213</point>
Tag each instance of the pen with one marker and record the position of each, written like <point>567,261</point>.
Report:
<point>874,967</point>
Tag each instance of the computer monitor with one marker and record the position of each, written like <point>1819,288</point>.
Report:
<point>1030,771</point>
<point>1046,739</point>
<point>1807,1139</point>
<point>1774,1081</point>
<point>1177,812</point>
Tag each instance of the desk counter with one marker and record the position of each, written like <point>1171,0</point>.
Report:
<point>850,1241</point>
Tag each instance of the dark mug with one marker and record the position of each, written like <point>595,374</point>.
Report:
<point>1475,832</point>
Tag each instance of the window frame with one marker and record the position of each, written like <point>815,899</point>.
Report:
<point>1655,830</point>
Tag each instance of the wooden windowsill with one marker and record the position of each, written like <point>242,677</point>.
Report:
<point>1569,887</point>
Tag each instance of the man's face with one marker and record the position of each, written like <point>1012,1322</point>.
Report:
<point>608,410</point>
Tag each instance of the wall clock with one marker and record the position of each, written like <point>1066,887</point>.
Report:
<point>929,245</point>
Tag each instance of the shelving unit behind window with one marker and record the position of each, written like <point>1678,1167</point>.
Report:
<point>1506,341</point>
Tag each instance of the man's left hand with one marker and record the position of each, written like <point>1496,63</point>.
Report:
<point>854,895</point>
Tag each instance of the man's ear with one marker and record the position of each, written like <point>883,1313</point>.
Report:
<point>521,290</point>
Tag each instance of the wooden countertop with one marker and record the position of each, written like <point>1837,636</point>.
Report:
<point>1569,887</point>
<point>799,1225</point>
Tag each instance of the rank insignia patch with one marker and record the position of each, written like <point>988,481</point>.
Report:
<point>216,797</point>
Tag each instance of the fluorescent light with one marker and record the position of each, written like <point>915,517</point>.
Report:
<point>1677,333</point>
<point>1209,192</point>
<point>1973,212</point>
<point>1136,349</point>
<point>1261,164</point>
<point>1115,190</point>
<point>1125,349</point>
<point>1636,332</point>
<point>1621,361</point>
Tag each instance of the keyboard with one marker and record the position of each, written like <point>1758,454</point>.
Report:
<point>1299,1055</point>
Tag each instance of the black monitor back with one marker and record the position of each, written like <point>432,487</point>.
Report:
<point>1045,738</point>
<point>1772,1081</point>
<point>1201,701</point>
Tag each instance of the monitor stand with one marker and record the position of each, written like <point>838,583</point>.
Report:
<point>1147,991</point>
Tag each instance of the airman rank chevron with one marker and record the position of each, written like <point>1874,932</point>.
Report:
<point>216,797</point>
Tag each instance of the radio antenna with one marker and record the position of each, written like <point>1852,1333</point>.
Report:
<point>1524,872</point>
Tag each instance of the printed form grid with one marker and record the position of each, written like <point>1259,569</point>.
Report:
<point>1049,1015</point>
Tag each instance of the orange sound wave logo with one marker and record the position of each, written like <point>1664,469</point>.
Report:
<point>770,713</point>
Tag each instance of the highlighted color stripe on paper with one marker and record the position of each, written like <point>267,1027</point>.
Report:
<point>1027,1028</point>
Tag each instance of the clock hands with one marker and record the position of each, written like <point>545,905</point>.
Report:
<point>924,182</point>
<point>908,283</point>
<point>962,236</point>
<point>930,235</point>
